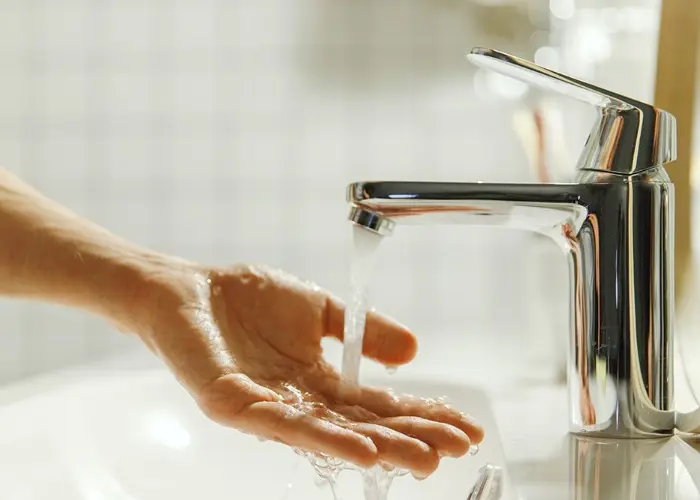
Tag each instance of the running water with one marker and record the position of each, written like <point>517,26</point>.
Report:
<point>365,245</point>
<point>376,481</point>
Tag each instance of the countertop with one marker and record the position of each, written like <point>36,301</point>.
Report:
<point>543,460</point>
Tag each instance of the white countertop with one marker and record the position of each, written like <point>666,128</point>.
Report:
<point>543,460</point>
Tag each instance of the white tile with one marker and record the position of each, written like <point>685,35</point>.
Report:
<point>64,25</point>
<point>12,335</point>
<point>18,89</point>
<point>11,154</point>
<point>63,156</point>
<point>193,92</point>
<point>126,159</point>
<point>127,93</point>
<point>13,39</point>
<point>194,158</point>
<point>64,94</point>
<point>58,337</point>
<point>130,26</point>
<point>194,24</point>
<point>131,218</point>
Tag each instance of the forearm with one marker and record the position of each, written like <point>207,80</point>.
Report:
<point>51,254</point>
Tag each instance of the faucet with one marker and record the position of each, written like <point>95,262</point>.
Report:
<point>614,223</point>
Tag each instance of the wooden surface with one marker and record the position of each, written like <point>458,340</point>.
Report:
<point>675,92</point>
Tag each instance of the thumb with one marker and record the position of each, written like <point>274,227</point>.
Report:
<point>385,340</point>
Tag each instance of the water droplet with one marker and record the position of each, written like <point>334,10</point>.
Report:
<point>391,370</point>
<point>261,439</point>
<point>473,450</point>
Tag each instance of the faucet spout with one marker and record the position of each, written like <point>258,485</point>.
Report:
<point>378,206</point>
<point>617,234</point>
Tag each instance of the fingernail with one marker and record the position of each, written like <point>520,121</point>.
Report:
<point>470,420</point>
<point>419,476</point>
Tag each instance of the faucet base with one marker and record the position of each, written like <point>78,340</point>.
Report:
<point>624,433</point>
<point>616,409</point>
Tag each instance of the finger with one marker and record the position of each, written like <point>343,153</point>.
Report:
<point>444,438</point>
<point>386,405</point>
<point>385,340</point>
<point>283,423</point>
<point>400,450</point>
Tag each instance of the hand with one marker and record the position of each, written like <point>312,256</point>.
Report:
<point>246,343</point>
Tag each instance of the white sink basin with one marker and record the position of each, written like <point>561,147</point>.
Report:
<point>138,436</point>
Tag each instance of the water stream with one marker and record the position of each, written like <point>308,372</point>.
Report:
<point>365,245</point>
<point>376,481</point>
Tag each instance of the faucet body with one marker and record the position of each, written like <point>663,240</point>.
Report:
<point>617,234</point>
<point>615,225</point>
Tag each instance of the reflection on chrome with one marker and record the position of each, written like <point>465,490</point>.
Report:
<point>488,485</point>
<point>632,469</point>
<point>615,225</point>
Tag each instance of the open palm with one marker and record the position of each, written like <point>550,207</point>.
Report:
<point>246,343</point>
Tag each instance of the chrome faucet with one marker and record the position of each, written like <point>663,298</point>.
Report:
<point>616,227</point>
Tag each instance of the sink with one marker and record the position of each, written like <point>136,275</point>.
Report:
<point>106,433</point>
<point>137,435</point>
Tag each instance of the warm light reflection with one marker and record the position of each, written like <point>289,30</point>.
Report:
<point>630,19</point>
<point>593,43</point>
<point>562,9</point>
<point>547,57</point>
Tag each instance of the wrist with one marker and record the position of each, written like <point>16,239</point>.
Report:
<point>132,286</point>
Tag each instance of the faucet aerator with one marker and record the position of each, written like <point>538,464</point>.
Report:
<point>371,221</point>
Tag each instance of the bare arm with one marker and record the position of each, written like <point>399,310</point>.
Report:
<point>51,254</point>
<point>245,341</point>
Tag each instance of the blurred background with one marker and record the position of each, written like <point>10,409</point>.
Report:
<point>227,131</point>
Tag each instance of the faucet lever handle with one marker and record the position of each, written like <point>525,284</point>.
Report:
<point>628,137</point>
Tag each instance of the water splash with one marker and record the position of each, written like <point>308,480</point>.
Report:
<point>377,480</point>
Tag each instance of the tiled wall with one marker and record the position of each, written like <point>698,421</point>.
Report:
<point>227,130</point>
